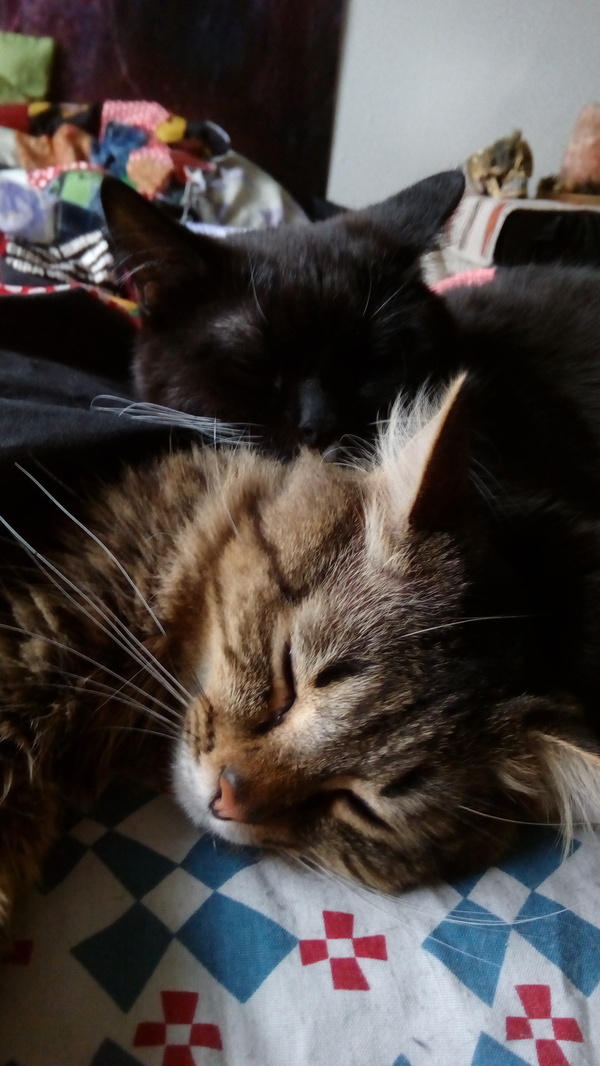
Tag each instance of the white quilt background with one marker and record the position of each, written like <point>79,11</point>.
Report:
<point>151,946</point>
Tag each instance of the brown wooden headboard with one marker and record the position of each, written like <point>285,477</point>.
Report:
<point>265,70</point>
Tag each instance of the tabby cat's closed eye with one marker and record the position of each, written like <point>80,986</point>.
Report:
<point>338,671</point>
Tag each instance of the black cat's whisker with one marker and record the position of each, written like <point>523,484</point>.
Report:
<point>488,487</point>
<point>209,428</point>
<point>484,491</point>
<point>253,286</point>
<point>117,631</point>
<point>96,540</point>
<point>125,273</point>
<point>366,307</point>
<point>389,300</point>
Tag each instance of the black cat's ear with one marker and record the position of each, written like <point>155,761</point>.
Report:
<point>420,481</point>
<point>417,215</point>
<point>151,250</point>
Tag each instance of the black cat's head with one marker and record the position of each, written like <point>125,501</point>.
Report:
<point>305,333</point>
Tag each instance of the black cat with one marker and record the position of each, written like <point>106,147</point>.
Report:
<point>309,333</point>
<point>305,332</point>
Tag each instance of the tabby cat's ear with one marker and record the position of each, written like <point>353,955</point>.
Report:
<point>416,215</point>
<point>420,482</point>
<point>152,250</point>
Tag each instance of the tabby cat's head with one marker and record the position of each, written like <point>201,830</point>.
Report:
<point>307,333</point>
<point>361,662</point>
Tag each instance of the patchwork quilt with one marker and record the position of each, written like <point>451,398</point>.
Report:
<point>151,944</point>
<point>53,158</point>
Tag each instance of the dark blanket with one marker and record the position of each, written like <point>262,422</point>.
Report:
<point>48,426</point>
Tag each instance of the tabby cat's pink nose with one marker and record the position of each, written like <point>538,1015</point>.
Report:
<point>224,803</point>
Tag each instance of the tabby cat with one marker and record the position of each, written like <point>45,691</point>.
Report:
<point>382,667</point>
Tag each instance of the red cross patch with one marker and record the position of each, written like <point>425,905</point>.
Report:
<point>539,1025</point>
<point>342,949</point>
<point>178,1033</point>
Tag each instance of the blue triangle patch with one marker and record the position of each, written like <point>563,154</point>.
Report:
<point>137,867</point>
<point>561,936</point>
<point>472,943</point>
<point>239,946</point>
<point>537,855</point>
<point>64,857</point>
<point>123,957</point>
<point>214,863</point>
<point>110,1054</point>
<point>118,801</point>
<point>490,1053</point>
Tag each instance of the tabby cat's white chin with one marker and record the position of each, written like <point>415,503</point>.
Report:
<point>194,788</point>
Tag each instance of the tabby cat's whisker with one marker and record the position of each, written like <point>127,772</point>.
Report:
<point>99,688</point>
<point>369,895</point>
<point>518,821</point>
<point>105,691</point>
<point>465,621</point>
<point>173,711</point>
<point>96,540</point>
<point>135,729</point>
<point>72,651</point>
<point>144,656</point>
<point>117,631</point>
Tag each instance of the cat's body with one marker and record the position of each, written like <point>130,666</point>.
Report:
<point>308,334</point>
<point>305,333</point>
<point>382,668</point>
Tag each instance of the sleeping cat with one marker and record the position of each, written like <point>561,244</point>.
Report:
<point>382,667</point>
<point>307,333</point>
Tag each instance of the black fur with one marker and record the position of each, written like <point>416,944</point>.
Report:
<point>305,332</point>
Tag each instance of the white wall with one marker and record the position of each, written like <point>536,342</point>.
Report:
<point>426,82</point>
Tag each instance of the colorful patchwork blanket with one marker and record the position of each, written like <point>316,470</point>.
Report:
<point>52,232</point>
